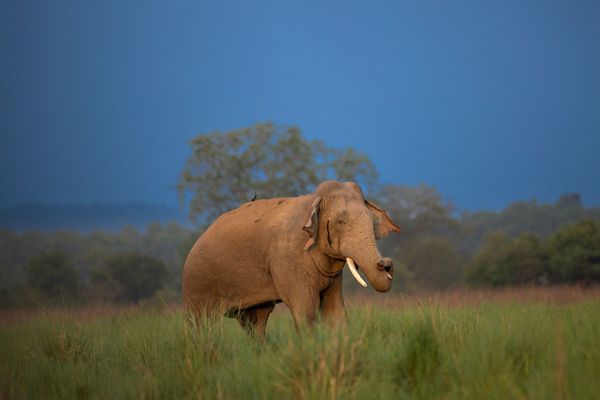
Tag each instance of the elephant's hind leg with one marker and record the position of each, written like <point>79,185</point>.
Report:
<point>254,319</point>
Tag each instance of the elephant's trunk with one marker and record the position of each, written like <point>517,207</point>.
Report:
<point>365,256</point>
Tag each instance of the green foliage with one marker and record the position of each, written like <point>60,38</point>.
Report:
<point>487,266</point>
<point>228,169</point>
<point>541,220</point>
<point>434,262</point>
<point>430,351</point>
<point>570,255</point>
<point>168,243</point>
<point>574,253</point>
<point>504,262</point>
<point>131,277</point>
<point>419,210</point>
<point>526,260</point>
<point>54,276</point>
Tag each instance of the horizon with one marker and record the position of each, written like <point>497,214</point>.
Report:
<point>177,207</point>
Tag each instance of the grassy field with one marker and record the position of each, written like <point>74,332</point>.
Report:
<point>539,344</point>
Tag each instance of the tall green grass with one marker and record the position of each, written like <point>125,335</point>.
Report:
<point>423,351</point>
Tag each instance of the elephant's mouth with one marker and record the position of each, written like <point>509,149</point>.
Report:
<point>354,270</point>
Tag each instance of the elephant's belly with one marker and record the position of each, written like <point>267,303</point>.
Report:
<point>228,287</point>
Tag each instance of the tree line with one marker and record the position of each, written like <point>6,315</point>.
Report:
<point>439,247</point>
<point>65,267</point>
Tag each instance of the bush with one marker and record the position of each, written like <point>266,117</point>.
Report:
<point>434,262</point>
<point>52,275</point>
<point>130,277</point>
<point>574,253</point>
<point>504,262</point>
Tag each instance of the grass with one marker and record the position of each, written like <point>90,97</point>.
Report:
<point>456,346</point>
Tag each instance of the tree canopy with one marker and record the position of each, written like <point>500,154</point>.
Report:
<point>570,255</point>
<point>230,168</point>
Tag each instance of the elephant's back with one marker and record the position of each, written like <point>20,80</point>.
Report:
<point>230,259</point>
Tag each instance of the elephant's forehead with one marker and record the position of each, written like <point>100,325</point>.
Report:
<point>348,204</point>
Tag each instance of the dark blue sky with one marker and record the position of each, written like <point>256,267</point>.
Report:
<point>488,101</point>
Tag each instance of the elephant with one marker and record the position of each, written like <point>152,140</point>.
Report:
<point>291,250</point>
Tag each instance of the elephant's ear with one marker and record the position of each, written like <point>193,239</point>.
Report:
<point>383,223</point>
<point>312,225</point>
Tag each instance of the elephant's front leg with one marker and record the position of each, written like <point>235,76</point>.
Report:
<point>304,306</point>
<point>298,290</point>
<point>332,302</point>
<point>302,299</point>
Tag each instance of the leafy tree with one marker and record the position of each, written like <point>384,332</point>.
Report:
<point>52,274</point>
<point>420,209</point>
<point>541,220</point>
<point>487,268</point>
<point>526,260</point>
<point>434,262</point>
<point>228,169</point>
<point>502,261</point>
<point>131,277</point>
<point>574,253</point>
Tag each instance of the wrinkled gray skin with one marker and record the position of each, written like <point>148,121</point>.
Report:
<point>289,250</point>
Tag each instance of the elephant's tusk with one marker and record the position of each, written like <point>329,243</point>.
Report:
<point>355,272</point>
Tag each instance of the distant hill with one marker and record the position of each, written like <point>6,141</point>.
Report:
<point>87,217</point>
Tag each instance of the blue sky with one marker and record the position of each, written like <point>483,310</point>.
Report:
<point>490,102</point>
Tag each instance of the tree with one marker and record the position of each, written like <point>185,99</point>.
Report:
<point>487,267</point>
<point>228,169</point>
<point>541,220</point>
<point>131,277</point>
<point>52,274</point>
<point>419,210</point>
<point>502,261</point>
<point>526,260</point>
<point>574,253</point>
<point>433,262</point>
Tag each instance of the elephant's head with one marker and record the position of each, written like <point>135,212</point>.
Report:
<point>344,226</point>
